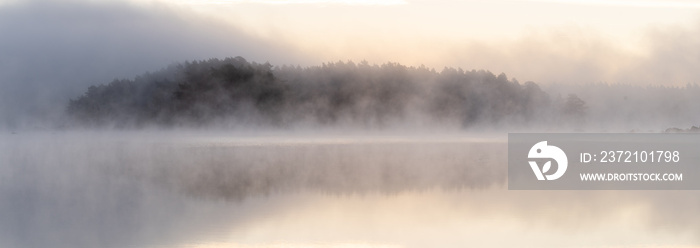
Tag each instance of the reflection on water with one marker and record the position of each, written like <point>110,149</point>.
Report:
<point>167,190</point>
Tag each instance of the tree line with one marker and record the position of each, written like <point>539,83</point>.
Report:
<point>233,91</point>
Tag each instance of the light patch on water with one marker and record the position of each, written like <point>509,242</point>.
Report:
<point>482,218</point>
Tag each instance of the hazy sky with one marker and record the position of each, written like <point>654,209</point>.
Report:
<point>51,50</point>
<point>540,40</point>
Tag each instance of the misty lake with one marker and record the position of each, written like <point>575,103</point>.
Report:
<point>196,189</point>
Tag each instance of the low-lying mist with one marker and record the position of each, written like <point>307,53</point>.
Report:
<point>174,189</point>
<point>237,152</point>
<point>116,189</point>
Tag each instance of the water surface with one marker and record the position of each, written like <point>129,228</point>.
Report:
<point>185,189</point>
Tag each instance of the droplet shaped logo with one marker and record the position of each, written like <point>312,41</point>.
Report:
<point>542,150</point>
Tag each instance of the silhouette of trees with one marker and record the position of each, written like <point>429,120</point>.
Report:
<point>233,90</point>
<point>574,106</point>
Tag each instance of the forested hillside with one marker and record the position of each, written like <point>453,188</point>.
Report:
<point>234,91</point>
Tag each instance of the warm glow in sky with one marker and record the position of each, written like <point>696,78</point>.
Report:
<point>345,2</point>
<point>603,37</point>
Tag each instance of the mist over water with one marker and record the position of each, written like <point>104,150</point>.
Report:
<point>183,189</point>
<point>231,153</point>
<point>134,124</point>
